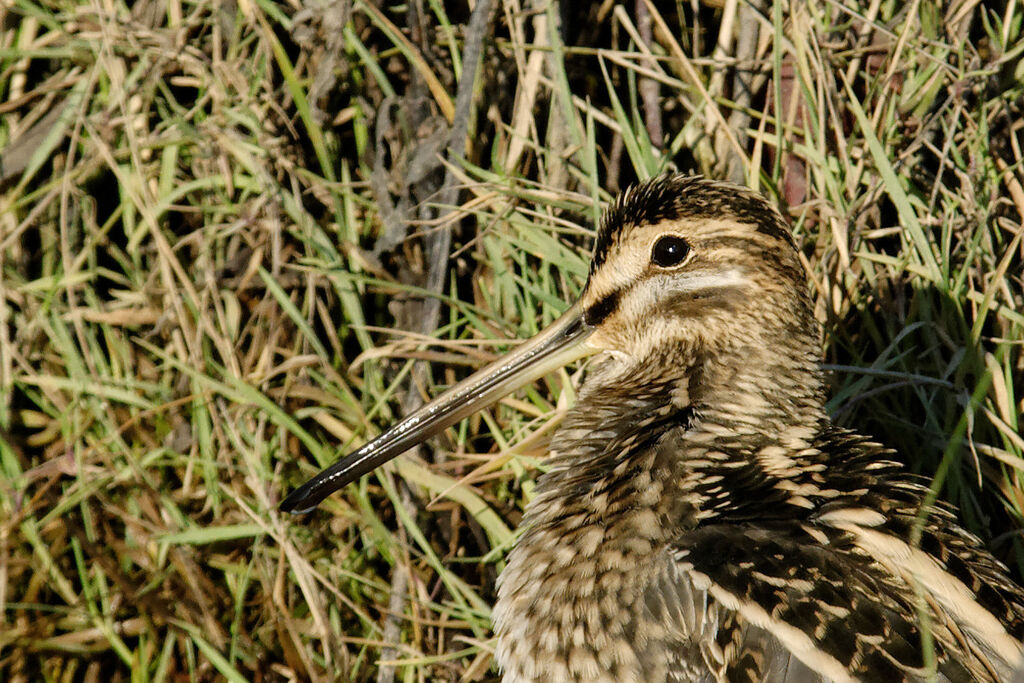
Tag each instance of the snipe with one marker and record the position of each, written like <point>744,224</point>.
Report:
<point>702,519</point>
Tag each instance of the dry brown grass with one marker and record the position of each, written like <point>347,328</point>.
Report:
<point>212,215</point>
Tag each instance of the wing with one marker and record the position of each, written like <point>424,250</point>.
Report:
<point>694,638</point>
<point>814,594</point>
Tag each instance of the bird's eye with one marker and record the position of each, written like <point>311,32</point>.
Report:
<point>669,251</point>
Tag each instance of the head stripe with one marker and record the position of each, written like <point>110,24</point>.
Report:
<point>671,197</point>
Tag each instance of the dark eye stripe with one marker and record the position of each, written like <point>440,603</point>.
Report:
<point>596,314</point>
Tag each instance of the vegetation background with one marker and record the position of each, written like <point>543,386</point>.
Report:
<point>239,238</point>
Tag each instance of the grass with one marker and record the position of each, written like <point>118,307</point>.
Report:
<point>216,221</point>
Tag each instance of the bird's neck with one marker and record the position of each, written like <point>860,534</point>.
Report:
<point>690,436</point>
<point>748,396</point>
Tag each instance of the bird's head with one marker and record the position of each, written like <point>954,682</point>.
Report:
<point>682,267</point>
<point>689,265</point>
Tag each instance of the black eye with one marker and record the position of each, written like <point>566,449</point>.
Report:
<point>669,251</point>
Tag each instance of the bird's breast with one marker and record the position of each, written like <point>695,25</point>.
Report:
<point>589,606</point>
<point>591,592</point>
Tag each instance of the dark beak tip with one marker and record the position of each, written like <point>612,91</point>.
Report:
<point>298,503</point>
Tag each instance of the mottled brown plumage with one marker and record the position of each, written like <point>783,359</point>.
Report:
<point>702,519</point>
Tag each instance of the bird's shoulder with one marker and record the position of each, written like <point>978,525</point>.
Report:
<point>906,512</point>
<point>859,576</point>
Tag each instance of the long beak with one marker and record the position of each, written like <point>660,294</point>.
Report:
<point>558,345</point>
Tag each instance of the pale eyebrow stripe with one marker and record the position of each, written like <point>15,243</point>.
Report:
<point>608,304</point>
<point>702,281</point>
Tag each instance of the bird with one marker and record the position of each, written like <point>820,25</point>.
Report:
<point>701,517</point>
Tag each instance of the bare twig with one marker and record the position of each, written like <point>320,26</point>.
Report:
<point>396,604</point>
<point>743,85</point>
<point>649,87</point>
<point>437,245</point>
